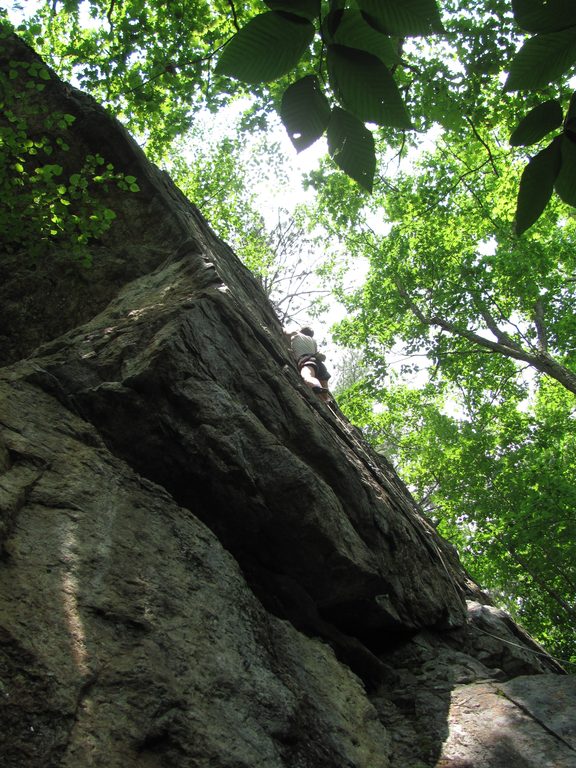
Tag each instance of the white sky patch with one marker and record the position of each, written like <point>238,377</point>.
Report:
<point>487,247</point>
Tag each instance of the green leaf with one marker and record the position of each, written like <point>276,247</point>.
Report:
<point>310,9</point>
<point>537,123</point>
<point>270,45</point>
<point>404,17</point>
<point>351,29</point>
<point>365,87</point>
<point>541,60</point>
<point>566,181</point>
<point>570,122</point>
<point>305,112</point>
<point>351,146</point>
<point>536,185</point>
<point>534,16</point>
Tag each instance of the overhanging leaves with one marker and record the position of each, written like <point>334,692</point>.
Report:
<point>310,9</point>
<point>404,17</point>
<point>537,123</point>
<point>270,45</point>
<point>365,87</point>
<point>542,59</point>
<point>534,16</point>
<point>570,122</point>
<point>351,146</point>
<point>305,112</point>
<point>351,29</point>
<point>537,185</point>
<point>566,181</point>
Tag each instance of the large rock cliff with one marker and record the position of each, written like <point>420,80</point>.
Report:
<point>200,563</point>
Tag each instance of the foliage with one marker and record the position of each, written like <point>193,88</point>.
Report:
<point>485,434</point>
<point>149,62</point>
<point>332,67</point>
<point>357,54</point>
<point>64,211</point>
<point>222,176</point>
<point>354,50</point>
<point>451,280</point>
<point>498,482</point>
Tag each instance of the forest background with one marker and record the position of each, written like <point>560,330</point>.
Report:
<point>437,214</point>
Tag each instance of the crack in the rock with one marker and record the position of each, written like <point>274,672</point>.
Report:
<point>523,708</point>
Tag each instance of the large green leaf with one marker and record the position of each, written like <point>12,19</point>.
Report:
<point>537,123</point>
<point>542,59</point>
<point>310,9</point>
<point>404,17</point>
<point>351,146</point>
<point>535,16</point>
<point>305,112</point>
<point>365,87</point>
<point>351,29</point>
<point>270,45</point>
<point>566,181</point>
<point>537,185</point>
<point>570,122</point>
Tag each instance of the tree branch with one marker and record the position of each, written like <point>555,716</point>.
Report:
<point>540,361</point>
<point>110,12</point>
<point>501,335</point>
<point>171,68</point>
<point>234,16</point>
<point>486,147</point>
<point>542,583</point>
<point>540,326</point>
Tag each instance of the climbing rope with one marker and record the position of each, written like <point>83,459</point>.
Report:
<point>526,648</point>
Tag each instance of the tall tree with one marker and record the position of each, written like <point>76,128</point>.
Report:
<point>450,277</point>
<point>485,322</point>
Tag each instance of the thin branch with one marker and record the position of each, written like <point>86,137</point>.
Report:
<point>427,496</point>
<point>473,192</point>
<point>542,361</point>
<point>509,321</point>
<point>486,147</point>
<point>171,68</point>
<point>316,292</point>
<point>110,12</point>
<point>540,325</point>
<point>234,16</point>
<point>501,335</point>
<point>539,580</point>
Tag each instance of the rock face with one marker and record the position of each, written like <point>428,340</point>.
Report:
<point>200,563</point>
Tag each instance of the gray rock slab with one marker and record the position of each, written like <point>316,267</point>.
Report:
<point>526,723</point>
<point>549,699</point>
<point>128,635</point>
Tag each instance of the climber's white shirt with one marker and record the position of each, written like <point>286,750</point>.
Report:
<point>303,345</point>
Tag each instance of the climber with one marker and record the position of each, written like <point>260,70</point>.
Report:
<point>310,361</point>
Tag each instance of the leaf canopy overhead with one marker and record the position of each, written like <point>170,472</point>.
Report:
<point>269,46</point>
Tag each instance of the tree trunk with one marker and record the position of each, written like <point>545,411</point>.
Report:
<point>201,564</point>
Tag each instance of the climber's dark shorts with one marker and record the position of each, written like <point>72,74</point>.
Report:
<point>318,365</point>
